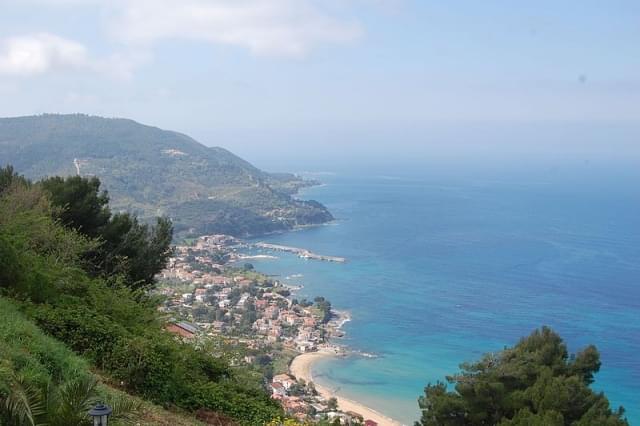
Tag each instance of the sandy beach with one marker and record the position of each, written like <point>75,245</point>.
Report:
<point>301,369</point>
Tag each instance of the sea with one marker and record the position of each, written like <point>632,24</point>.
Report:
<point>444,266</point>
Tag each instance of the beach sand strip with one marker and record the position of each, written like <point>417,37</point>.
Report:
<point>301,368</point>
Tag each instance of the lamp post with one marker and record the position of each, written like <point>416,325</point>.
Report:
<point>100,414</point>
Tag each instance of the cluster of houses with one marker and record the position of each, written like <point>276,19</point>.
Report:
<point>306,332</point>
<point>201,262</point>
<point>300,400</point>
<point>277,319</point>
<point>233,295</point>
<point>228,293</point>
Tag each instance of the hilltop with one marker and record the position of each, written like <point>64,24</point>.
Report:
<point>150,172</point>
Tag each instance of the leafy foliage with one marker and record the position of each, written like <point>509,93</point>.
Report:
<point>325,308</point>
<point>533,383</point>
<point>127,247</point>
<point>9,177</point>
<point>23,404</point>
<point>43,382</point>
<point>82,206</point>
<point>104,317</point>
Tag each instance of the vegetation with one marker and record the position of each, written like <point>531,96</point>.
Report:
<point>152,172</point>
<point>324,306</point>
<point>43,382</point>
<point>332,404</point>
<point>534,383</point>
<point>48,271</point>
<point>73,303</point>
<point>126,247</point>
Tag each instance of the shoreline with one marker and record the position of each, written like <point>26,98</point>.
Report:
<point>300,368</point>
<point>301,365</point>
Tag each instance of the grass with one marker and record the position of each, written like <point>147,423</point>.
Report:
<point>27,350</point>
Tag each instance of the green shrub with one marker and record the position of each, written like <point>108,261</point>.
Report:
<point>113,326</point>
<point>249,407</point>
<point>84,330</point>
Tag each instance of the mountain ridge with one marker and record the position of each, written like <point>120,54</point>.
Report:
<point>150,171</point>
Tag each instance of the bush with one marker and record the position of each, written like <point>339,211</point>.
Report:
<point>105,319</point>
<point>249,407</point>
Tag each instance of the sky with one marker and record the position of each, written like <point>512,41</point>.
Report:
<point>273,79</point>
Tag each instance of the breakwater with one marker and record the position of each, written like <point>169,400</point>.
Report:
<point>300,252</point>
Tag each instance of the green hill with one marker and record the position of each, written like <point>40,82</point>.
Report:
<point>57,295</point>
<point>152,172</point>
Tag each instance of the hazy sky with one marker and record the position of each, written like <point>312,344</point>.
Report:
<point>310,73</point>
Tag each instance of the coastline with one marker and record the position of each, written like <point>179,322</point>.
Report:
<point>301,365</point>
<point>300,368</point>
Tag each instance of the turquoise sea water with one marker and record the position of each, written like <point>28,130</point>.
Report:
<point>441,270</point>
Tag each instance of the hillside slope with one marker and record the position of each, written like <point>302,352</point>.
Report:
<point>25,351</point>
<point>152,172</point>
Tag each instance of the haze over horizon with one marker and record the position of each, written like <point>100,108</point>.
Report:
<point>278,80</point>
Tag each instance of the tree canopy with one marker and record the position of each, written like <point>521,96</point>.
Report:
<point>46,273</point>
<point>133,250</point>
<point>83,206</point>
<point>535,382</point>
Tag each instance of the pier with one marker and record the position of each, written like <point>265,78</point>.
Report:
<point>303,253</point>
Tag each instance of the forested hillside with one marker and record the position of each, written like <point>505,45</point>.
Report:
<point>153,172</point>
<point>75,271</point>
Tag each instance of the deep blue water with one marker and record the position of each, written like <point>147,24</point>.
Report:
<point>443,269</point>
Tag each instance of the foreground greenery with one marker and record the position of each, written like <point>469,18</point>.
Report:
<point>535,383</point>
<point>53,270</point>
<point>43,382</point>
<point>154,172</point>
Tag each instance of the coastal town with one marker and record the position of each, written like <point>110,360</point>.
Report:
<point>214,297</point>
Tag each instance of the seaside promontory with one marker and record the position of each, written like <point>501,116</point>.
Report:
<point>153,172</point>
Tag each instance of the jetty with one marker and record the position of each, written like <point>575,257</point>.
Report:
<point>300,252</point>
